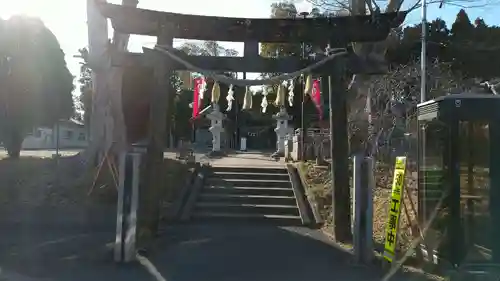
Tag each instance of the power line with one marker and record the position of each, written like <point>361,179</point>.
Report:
<point>469,46</point>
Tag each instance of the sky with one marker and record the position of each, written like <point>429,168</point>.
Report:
<point>67,18</point>
<point>486,9</point>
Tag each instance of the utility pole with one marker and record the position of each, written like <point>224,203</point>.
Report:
<point>423,56</point>
<point>304,14</point>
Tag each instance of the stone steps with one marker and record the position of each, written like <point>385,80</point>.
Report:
<point>248,198</point>
<point>250,169</point>
<point>248,190</point>
<point>244,194</point>
<point>246,208</point>
<point>257,218</point>
<point>245,182</point>
<point>249,176</point>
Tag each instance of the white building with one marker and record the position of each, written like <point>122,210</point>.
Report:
<point>72,134</point>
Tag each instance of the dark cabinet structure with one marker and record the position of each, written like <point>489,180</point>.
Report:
<point>459,178</point>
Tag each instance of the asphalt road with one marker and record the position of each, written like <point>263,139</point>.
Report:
<point>251,252</point>
<point>45,153</point>
<point>191,252</point>
<point>68,243</point>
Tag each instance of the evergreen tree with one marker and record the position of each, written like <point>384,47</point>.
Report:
<point>36,83</point>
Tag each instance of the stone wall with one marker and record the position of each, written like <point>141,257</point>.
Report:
<point>317,142</point>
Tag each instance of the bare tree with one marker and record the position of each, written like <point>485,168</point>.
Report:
<point>207,48</point>
<point>230,53</point>
<point>393,101</point>
<point>107,121</point>
<point>359,86</point>
<point>371,6</point>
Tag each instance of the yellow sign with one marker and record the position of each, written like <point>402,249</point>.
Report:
<point>395,208</point>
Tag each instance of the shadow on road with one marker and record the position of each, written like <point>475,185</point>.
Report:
<point>70,242</point>
<point>53,250</point>
<point>217,252</point>
<point>57,243</point>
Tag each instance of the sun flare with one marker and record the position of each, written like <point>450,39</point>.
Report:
<point>35,8</point>
<point>65,18</point>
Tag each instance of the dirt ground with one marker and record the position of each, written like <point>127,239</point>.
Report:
<point>53,228</point>
<point>65,193</point>
<point>319,187</point>
<point>41,180</point>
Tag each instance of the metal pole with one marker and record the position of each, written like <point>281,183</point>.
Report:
<point>57,152</point>
<point>57,139</point>
<point>423,56</point>
<point>302,124</point>
<point>237,138</point>
<point>357,207</point>
<point>368,166</point>
<point>238,131</point>
<point>331,123</point>
<point>128,204</point>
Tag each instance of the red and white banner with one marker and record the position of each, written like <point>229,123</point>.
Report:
<point>316,98</point>
<point>196,96</point>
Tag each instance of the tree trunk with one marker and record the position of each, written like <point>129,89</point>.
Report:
<point>107,124</point>
<point>358,86</point>
<point>14,143</point>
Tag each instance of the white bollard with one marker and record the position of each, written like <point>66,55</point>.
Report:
<point>243,144</point>
<point>128,201</point>
<point>369,168</point>
<point>356,206</point>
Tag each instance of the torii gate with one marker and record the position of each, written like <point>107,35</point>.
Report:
<point>336,32</point>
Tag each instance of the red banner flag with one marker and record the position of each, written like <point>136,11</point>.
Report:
<point>196,97</point>
<point>316,98</point>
